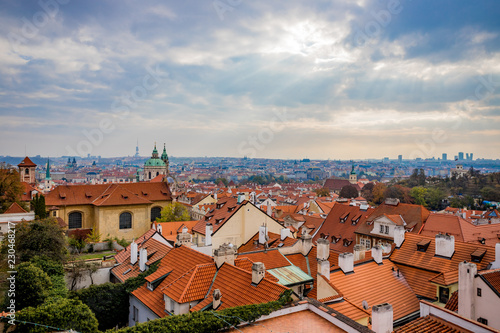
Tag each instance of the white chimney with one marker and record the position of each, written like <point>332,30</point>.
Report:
<point>285,232</point>
<point>184,238</point>
<point>225,253</point>
<point>445,245</point>
<point>159,228</point>
<point>217,299</point>
<point>208,234</point>
<point>377,254</point>
<point>306,245</point>
<point>466,305</point>
<point>133,252</point>
<point>382,318</point>
<point>258,272</point>
<point>143,258</point>
<point>496,263</point>
<point>262,234</point>
<point>269,210</point>
<point>324,268</point>
<point>322,249</point>
<point>399,235</point>
<point>215,196</point>
<point>359,252</point>
<point>346,262</point>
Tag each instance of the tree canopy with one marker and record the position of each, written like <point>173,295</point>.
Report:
<point>33,285</point>
<point>349,192</point>
<point>174,212</point>
<point>11,188</point>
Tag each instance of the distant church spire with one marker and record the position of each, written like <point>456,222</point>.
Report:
<point>47,172</point>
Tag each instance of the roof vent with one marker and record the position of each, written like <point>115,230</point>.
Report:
<point>423,245</point>
<point>477,255</point>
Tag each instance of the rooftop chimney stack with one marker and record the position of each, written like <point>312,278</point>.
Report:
<point>306,245</point>
<point>133,252</point>
<point>377,254</point>
<point>184,238</point>
<point>382,318</point>
<point>399,235</point>
<point>359,252</point>
<point>346,262</point>
<point>263,234</point>
<point>208,234</point>
<point>285,232</point>
<point>225,253</point>
<point>466,305</point>
<point>496,263</point>
<point>159,228</point>
<point>258,272</point>
<point>269,210</point>
<point>445,245</point>
<point>143,258</point>
<point>322,249</point>
<point>217,299</point>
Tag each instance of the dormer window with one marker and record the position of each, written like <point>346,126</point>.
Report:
<point>477,255</point>
<point>355,219</point>
<point>344,217</point>
<point>150,286</point>
<point>217,221</point>
<point>423,245</point>
<point>381,229</point>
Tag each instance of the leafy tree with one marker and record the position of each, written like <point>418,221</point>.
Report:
<point>174,212</point>
<point>348,191</point>
<point>434,198</point>
<point>32,285</point>
<point>61,313</point>
<point>367,192</point>
<point>223,180</point>
<point>11,188</point>
<point>322,192</point>
<point>78,239</point>
<point>43,237</point>
<point>418,194</point>
<point>490,193</point>
<point>378,193</point>
<point>55,271</point>
<point>38,205</point>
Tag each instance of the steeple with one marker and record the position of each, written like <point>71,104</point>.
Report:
<point>353,178</point>
<point>155,152</point>
<point>47,172</point>
<point>164,155</point>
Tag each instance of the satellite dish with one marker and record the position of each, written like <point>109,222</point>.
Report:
<point>365,305</point>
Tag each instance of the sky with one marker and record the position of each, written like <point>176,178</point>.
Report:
<point>272,79</point>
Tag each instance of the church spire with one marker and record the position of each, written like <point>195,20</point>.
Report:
<point>47,172</point>
<point>164,155</point>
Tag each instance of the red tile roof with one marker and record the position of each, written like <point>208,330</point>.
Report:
<point>274,241</point>
<point>419,281</point>
<point>26,163</point>
<point>347,308</point>
<point>192,285</point>
<point>271,259</point>
<point>334,228</point>
<point>225,208</point>
<point>430,324</point>
<point>124,254</point>
<point>492,279</point>
<point>14,208</point>
<point>452,303</point>
<point>169,230</point>
<point>377,284</point>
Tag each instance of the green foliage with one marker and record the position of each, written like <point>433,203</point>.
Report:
<point>109,302</point>
<point>94,236</point>
<point>60,313</point>
<point>397,191</point>
<point>174,212</point>
<point>348,191</point>
<point>55,271</point>
<point>122,242</point>
<point>44,237</point>
<point>266,180</point>
<point>210,321</point>
<point>135,282</point>
<point>33,285</point>
<point>38,205</point>
<point>322,192</point>
<point>491,193</point>
<point>11,188</point>
<point>434,198</point>
<point>418,194</point>
<point>223,180</point>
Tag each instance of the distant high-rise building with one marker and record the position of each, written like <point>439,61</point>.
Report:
<point>460,156</point>
<point>137,149</point>
<point>400,159</point>
<point>445,157</point>
<point>471,156</point>
<point>467,156</point>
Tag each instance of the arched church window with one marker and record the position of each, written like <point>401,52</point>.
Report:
<point>155,212</point>
<point>75,220</point>
<point>125,220</point>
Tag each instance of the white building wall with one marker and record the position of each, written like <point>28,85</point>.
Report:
<point>488,305</point>
<point>144,313</point>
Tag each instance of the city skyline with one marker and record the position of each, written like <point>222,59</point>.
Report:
<point>328,80</point>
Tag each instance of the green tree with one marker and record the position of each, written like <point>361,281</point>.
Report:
<point>322,192</point>
<point>348,191</point>
<point>60,313</point>
<point>174,212</point>
<point>223,180</point>
<point>38,205</point>
<point>434,198</point>
<point>367,192</point>
<point>43,237</point>
<point>11,188</point>
<point>33,286</point>
<point>418,194</point>
<point>378,193</point>
<point>55,271</point>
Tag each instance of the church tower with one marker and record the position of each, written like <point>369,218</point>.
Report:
<point>27,171</point>
<point>164,157</point>
<point>156,166</point>
<point>353,178</point>
<point>48,178</point>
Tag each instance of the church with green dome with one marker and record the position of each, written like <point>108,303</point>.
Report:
<point>156,165</point>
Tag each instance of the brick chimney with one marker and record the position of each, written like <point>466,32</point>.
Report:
<point>466,305</point>
<point>208,234</point>
<point>346,262</point>
<point>359,252</point>
<point>258,272</point>
<point>382,318</point>
<point>399,235</point>
<point>306,244</point>
<point>217,299</point>
<point>184,238</point>
<point>143,258</point>
<point>322,255</point>
<point>225,253</point>
<point>133,252</point>
<point>496,263</point>
<point>263,237</point>
<point>445,245</point>
<point>377,254</point>
<point>285,232</point>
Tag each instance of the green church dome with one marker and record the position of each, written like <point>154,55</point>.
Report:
<point>154,162</point>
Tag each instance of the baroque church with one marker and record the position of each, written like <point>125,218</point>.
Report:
<point>156,165</point>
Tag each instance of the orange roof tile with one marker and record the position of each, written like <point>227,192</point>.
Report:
<point>274,241</point>
<point>419,281</point>
<point>271,259</point>
<point>224,209</point>
<point>347,308</point>
<point>377,284</point>
<point>452,303</point>
<point>192,285</point>
<point>492,279</point>
<point>430,324</point>
<point>169,230</point>
<point>27,162</point>
<point>14,208</point>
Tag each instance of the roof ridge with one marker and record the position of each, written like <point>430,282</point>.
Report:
<point>188,283</point>
<point>102,193</point>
